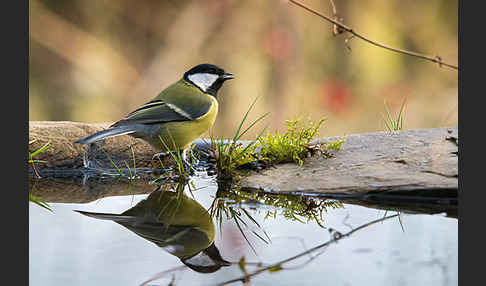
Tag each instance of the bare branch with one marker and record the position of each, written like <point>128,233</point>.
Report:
<point>336,30</point>
<point>350,30</point>
<point>165,273</point>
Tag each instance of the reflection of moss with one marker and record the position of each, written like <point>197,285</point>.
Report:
<point>293,207</point>
<point>297,207</point>
<point>233,204</point>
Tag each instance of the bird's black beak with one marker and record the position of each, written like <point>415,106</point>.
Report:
<point>226,76</point>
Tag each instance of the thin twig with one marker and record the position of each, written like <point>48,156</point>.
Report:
<point>163,274</point>
<point>350,30</point>
<point>336,30</point>
<point>334,238</point>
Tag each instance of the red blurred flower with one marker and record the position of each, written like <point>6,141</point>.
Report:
<point>278,43</point>
<point>335,95</point>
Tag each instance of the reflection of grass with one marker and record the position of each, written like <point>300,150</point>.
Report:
<point>293,207</point>
<point>220,208</point>
<point>399,215</point>
<point>39,202</point>
<point>234,204</point>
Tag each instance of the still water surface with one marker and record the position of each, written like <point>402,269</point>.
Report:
<point>69,248</point>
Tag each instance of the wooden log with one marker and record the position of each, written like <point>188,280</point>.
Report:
<point>64,154</point>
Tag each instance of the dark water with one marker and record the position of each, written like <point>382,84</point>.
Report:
<point>70,248</point>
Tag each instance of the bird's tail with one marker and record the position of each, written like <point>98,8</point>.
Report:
<point>107,216</point>
<point>110,132</point>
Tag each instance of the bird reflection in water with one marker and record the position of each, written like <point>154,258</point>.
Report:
<point>176,223</point>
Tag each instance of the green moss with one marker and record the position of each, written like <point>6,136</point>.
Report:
<point>296,144</point>
<point>332,145</point>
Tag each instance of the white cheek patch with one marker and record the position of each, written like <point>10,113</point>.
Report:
<point>203,80</point>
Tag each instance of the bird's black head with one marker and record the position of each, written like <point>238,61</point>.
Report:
<point>207,261</point>
<point>208,78</point>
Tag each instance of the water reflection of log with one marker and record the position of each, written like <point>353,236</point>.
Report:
<point>419,202</point>
<point>74,190</point>
<point>408,204</point>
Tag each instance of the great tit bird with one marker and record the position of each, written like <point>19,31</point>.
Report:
<point>177,116</point>
<point>176,223</point>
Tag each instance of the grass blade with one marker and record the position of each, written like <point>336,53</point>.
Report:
<point>242,121</point>
<point>120,173</point>
<point>251,125</point>
<point>41,149</point>
<point>400,115</point>
<point>386,123</point>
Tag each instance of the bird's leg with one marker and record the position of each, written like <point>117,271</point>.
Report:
<point>186,162</point>
<point>182,154</point>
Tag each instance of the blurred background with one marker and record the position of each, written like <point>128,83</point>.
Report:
<point>95,61</point>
